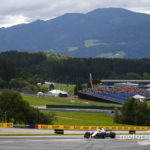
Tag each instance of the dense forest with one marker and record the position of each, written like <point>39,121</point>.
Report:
<point>26,69</point>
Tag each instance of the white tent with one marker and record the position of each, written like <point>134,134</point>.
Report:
<point>57,93</point>
<point>139,97</point>
<point>40,94</point>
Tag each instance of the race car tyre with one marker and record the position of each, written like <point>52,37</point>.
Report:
<point>112,135</point>
<point>87,135</point>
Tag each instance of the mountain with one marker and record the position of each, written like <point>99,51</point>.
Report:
<point>105,32</point>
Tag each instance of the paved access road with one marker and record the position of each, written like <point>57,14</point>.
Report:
<point>67,143</point>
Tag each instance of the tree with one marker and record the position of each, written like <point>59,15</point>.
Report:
<point>22,85</point>
<point>3,84</point>
<point>146,76</point>
<point>142,114</point>
<point>129,111</point>
<point>7,70</point>
<point>134,113</point>
<point>13,107</point>
<point>131,76</point>
<point>18,83</point>
<point>77,88</point>
<point>117,116</point>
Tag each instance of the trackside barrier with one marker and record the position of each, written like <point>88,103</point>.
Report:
<point>59,131</point>
<point>82,107</point>
<point>65,127</point>
<point>132,131</point>
<point>6,125</point>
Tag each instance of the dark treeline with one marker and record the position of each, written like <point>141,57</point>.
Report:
<point>40,66</point>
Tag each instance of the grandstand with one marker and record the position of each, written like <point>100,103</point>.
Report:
<point>113,94</point>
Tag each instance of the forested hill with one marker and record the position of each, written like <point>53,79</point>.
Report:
<point>38,67</point>
<point>107,32</point>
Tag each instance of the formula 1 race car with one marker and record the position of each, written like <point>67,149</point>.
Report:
<point>101,135</point>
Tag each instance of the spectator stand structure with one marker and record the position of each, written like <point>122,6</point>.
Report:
<point>114,94</point>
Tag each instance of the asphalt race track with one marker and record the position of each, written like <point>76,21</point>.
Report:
<point>67,143</point>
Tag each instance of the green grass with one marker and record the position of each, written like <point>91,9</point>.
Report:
<point>39,101</point>
<point>84,119</point>
<point>48,100</point>
<point>69,89</point>
<point>148,102</point>
<point>89,119</point>
<point>74,118</point>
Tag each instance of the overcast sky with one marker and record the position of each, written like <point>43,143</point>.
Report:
<point>14,12</point>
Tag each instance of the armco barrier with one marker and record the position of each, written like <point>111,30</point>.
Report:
<point>65,127</point>
<point>32,126</point>
<point>82,107</point>
<point>6,125</point>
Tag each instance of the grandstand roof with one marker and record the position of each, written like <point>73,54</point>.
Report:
<point>134,81</point>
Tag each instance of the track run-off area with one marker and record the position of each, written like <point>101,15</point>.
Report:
<point>70,142</point>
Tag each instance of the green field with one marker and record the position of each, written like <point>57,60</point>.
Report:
<point>48,100</point>
<point>148,102</point>
<point>69,89</point>
<point>84,119</point>
<point>73,118</point>
<point>39,101</point>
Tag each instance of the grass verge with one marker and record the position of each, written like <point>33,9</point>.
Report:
<point>48,100</point>
<point>33,100</point>
<point>84,119</point>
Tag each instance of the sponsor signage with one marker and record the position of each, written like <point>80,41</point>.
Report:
<point>6,125</point>
<point>66,127</point>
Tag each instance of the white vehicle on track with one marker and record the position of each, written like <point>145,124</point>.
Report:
<point>100,134</point>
